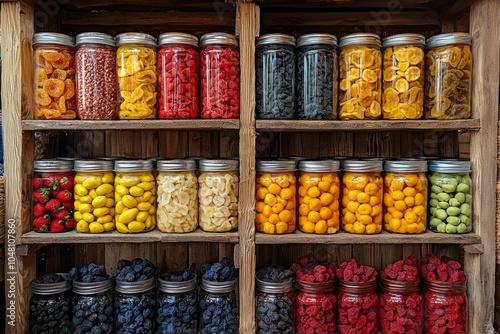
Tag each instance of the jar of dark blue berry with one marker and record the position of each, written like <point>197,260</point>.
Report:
<point>275,307</point>
<point>92,308</point>
<point>177,307</point>
<point>218,308</point>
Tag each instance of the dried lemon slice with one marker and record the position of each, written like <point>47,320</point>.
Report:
<point>407,111</point>
<point>375,110</point>
<point>403,65</point>
<point>353,74</point>
<point>415,55</point>
<point>391,99</point>
<point>367,58</point>
<point>390,73</point>
<point>412,73</point>
<point>343,85</point>
<point>402,85</point>
<point>388,54</point>
<point>402,55</point>
<point>369,76</point>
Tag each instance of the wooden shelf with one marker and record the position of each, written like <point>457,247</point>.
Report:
<point>344,238</point>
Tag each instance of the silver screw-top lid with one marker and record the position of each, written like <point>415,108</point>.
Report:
<point>272,287</point>
<point>218,165</point>
<point>96,38</point>
<point>133,165</point>
<point>450,166</point>
<point>360,39</point>
<point>218,38</point>
<point>450,38</point>
<point>276,165</point>
<point>314,39</point>
<point>135,287</point>
<point>176,165</point>
<point>177,38</point>
<point>217,287</point>
<point>52,165</point>
<point>319,165</point>
<point>404,39</point>
<point>362,165</point>
<point>276,39</point>
<point>93,288</point>
<point>53,38</point>
<point>47,289</point>
<point>176,287</point>
<point>93,165</point>
<point>405,165</point>
<point>135,38</point>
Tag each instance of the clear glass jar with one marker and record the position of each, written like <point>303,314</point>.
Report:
<point>177,209</point>
<point>136,69</point>
<point>177,307</point>
<point>275,77</point>
<point>275,196</point>
<point>405,196</point>
<point>96,82</point>
<point>448,74</point>
<point>94,196</point>
<point>317,74</point>
<point>54,84</point>
<point>446,307</point>
<point>403,79</point>
<point>401,307</point>
<point>135,304</point>
<point>218,307</point>
<point>50,308</point>
<point>362,196</point>
<point>360,75</point>
<point>319,193</point>
<point>275,307</point>
<point>218,186</point>
<point>52,188</point>
<point>178,76</point>
<point>220,76</point>
<point>358,307</point>
<point>92,307</point>
<point>135,196</point>
<point>316,301</point>
<point>450,196</point>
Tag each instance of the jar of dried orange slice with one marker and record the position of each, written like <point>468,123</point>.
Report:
<point>403,78</point>
<point>360,76</point>
<point>54,76</point>
<point>448,76</point>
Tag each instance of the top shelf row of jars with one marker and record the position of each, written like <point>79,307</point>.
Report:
<point>304,79</point>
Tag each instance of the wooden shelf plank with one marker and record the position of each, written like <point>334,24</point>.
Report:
<point>343,238</point>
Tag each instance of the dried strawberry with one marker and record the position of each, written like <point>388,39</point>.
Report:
<point>68,205</point>
<point>51,182</point>
<point>41,195</point>
<point>70,224</point>
<point>41,224</point>
<point>66,182</point>
<point>64,195</point>
<point>53,205</point>
<point>61,214</point>
<point>39,209</point>
<point>56,226</point>
<point>37,182</point>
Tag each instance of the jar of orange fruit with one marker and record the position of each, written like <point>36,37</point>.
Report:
<point>275,196</point>
<point>362,196</point>
<point>319,193</point>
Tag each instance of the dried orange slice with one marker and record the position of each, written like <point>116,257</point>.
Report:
<point>42,98</point>
<point>390,73</point>
<point>402,85</point>
<point>375,110</point>
<point>369,76</point>
<point>353,74</point>
<point>59,74</point>
<point>407,111</point>
<point>415,55</point>
<point>367,58</point>
<point>366,101</point>
<point>354,57</point>
<point>391,99</point>
<point>455,53</point>
<point>365,89</point>
<point>403,65</point>
<point>69,89</point>
<point>402,55</point>
<point>388,54</point>
<point>412,73</point>
<point>354,91</point>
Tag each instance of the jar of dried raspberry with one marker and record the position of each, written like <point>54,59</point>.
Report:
<point>275,307</point>
<point>178,62</point>
<point>316,304</point>
<point>220,76</point>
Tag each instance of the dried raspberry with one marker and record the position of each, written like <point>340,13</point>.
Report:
<point>443,276</point>
<point>442,267</point>
<point>454,264</point>
<point>319,277</point>
<point>302,261</point>
<point>307,278</point>
<point>348,274</point>
<point>320,269</point>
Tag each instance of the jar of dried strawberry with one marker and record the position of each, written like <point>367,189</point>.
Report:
<point>316,304</point>
<point>220,76</point>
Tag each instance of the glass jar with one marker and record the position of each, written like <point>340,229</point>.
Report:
<point>218,307</point>
<point>275,198</point>
<point>449,65</point>
<point>135,196</point>
<point>317,73</point>
<point>401,307</point>
<point>220,76</point>
<point>177,196</point>
<point>94,196</point>
<point>50,308</point>
<point>54,84</point>
<point>92,308</point>
<point>362,196</point>
<point>136,69</point>
<point>178,76</point>
<point>316,303</point>
<point>446,307</point>
<point>360,72</point>
<point>177,307</point>
<point>358,307</point>
<point>319,192</point>
<point>96,91</point>
<point>275,306</point>
<point>405,196</point>
<point>218,185</point>
<point>275,77</point>
<point>52,187</point>
<point>450,196</point>
<point>403,78</point>
<point>135,306</point>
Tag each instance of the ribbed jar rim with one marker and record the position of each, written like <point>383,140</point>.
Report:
<point>93,165</point>
<point>52,165</point>
<point>53,38</point>
<point>218,165</point>
<point>450,166</point>
<point>316,287</point>
<point>133,165</point>
<point>319,166</point>
<point>360,39</point>
<point>400,286</point>
<point>218,38</point>
<point>135,38</point>
<point>405,165</point>
<point>449,38</point>
<point>276,165</point>
<point>177,38</point>
<point>362,165</point>
<point>135,287</point>
<point>404,39</point>
<point>218,287</point>
<point>92,288</point>
<point>176,287</point>
<point>274,287</point>
<point>95,38</point>
<point>271,39</point>
<point>47,289</point>
<point>445,287</point>
<point>176,165</point>
<point>315,39</point>
<point>357,287</point>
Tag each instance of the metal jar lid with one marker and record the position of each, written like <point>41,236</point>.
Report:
<point>177,38</point>
<point>445,287</point>
<point>450,166</point>
<point>273,287</point>
<point>52,165</point>
<point>93,165</point>
<point>93,288</point>
<point>319,165</point>
<point>314,39</point>
<point>176,287</point>
<point>135,287</point>
<point>357,287</point>
<point>95,38</point>
<point>133,165</point>
<point>135,38</point>
<point>218,287</point>
<point>404,39</point>
<point>450,38</point>
<point>410,165</point>
<point>316,287</point>
<point>362,165</point>
<point>175,165</point>
<point>53,38</point>
<point>218,38</point>
<point>218,165</point>
<point>276,39</point>
<point>399,286</point>
<point>360,39</point>
<point>276,165</point>
<point>48,289</point>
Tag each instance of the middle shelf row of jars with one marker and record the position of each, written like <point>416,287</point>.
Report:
<point>185,196</point>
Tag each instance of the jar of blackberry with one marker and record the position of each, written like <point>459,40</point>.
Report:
<point>275,307</point>
<point>218,308</point>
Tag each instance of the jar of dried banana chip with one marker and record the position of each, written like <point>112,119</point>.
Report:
<point>448,76</point>
<point>360,75</point>
<point>403,78</point>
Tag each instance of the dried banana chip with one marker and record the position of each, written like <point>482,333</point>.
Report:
<point>390,73</point>
<point>367,58</point>
<point>407,111</point>
<point>455,54</point>
<point>412,73</point>
<point>401,55</point>
<point>403,66</point>
<point>402,85</point>
<point>343,85</point>
<point>369,76</point>
<point>415,55</point>
<point>375,109</point>
<point>391,99</point>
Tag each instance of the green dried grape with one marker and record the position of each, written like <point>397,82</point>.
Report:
<point>453,211</point>
<point>465,209</point>
<point>443,205</point>
<point>441,228</point>
<point>451,228</point>
<point>460,197</point>
<point>462,228</point>
<point>453,220</point>
<point>463,188</point>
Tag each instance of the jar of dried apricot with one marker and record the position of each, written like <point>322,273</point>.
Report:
<point>275,196</point>
<point>405,196</point>
<point>403,79</point>
<point>319,194</point>
<point>448,76</point>
<point>360,75</point>
<point>362,196</point>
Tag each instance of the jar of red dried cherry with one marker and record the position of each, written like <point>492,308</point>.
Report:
<point>316,304</point>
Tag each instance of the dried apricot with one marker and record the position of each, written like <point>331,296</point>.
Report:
<point>54,87</point>
<point>42,98</point>
<point>59,74</point>
<point>69,89</point>
<point>63,62</point>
